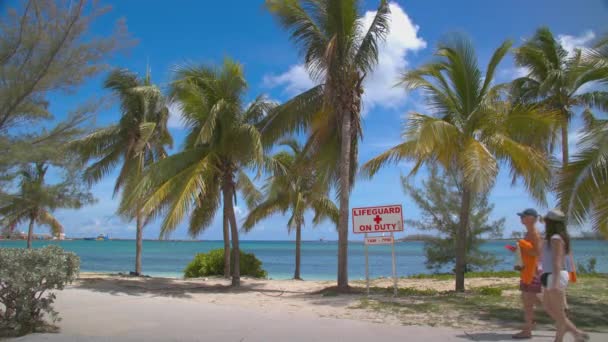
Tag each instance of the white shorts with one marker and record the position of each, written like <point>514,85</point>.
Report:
<point>563,279</point>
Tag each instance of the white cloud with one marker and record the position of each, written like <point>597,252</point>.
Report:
<point>379,87</point>
<point>295,80</point>
<point>175,116</point>
<point>570,43</point>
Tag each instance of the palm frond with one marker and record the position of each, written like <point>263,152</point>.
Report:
<point>367,54</point>
<point>47,219</point>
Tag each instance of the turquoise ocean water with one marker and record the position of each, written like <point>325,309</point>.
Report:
<point>319,259</point>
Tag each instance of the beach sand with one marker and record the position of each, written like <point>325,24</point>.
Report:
<point>102,307</point>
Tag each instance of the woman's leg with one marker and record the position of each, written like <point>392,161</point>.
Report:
<point>528,299</point>
<point>564,324</point>
<point>549,309</point>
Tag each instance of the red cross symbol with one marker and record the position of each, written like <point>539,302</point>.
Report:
<point>378,219</point>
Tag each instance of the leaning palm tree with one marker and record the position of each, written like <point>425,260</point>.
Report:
<point>470,131</point>
<point>136,141</point>
<point>294,187</point>
<point>338,53</point>
<point>555,80</point>
<point>35,202</point>
<point>584,182</point>
<point>222,143</point>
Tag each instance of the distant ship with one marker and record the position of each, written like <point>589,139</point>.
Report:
<point>100,237</point>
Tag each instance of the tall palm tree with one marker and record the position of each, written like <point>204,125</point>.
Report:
<point>584,183</point>
<point>35,202</point>
<point>136,141</point>
<point>470,130</point>
<point>556,80</point>
<point>338,53</point>
<point>221,144</point>
<point>294,187</point>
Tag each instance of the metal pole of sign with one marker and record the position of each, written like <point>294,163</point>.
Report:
<point>366,264</point>
<point>394,264</point>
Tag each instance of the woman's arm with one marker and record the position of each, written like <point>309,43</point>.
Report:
<point>557,249</point>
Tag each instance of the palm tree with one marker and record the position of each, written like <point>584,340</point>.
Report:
<point>556,80</point>
<point>136,141</point>
<point>294,187</point>
<point>470,130</point>
<point>338,53</point>
<point>584,182</point>
<point>221,144</point>
<point>35,202</point>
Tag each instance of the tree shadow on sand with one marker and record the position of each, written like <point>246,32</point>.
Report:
<point>168,287</point>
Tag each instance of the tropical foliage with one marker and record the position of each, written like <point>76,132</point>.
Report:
<point>212,264</point>
<point>470,131</point>
<point>294,187</point>
<point>438,198</point>
<point>338,53</point>
<point>136,141</point>
<point>222,143</point>
<point>35,201</point>
<point>28,276</point>
<point>557,80</point>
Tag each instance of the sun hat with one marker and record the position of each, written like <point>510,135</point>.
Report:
<point>555,215</point>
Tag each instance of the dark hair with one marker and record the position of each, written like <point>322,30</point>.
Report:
<point>557,227</point>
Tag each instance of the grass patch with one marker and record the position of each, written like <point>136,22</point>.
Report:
<point>450,276</point>
<point>488,306</point>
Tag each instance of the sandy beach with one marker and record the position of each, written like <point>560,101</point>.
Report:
<point>109,308</point>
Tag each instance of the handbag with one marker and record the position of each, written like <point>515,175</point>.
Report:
<point>572,272</point>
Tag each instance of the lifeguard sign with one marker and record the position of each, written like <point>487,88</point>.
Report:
<point>382,219</point>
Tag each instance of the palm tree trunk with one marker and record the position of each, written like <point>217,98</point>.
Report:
<point>565,149</point>
<point>226,240</point>
<point>296,274</point>
<point>344,205</point>
<point>30,233</point>
<point>461,238</point>
<point>138,243</point>
<point>228,193</point>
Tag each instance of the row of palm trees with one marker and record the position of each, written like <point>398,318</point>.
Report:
<point>473,127</point>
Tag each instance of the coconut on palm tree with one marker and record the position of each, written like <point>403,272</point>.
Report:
<point>294,187</point>
<point>338,53</point>
<point>470,131</point>
<point>35,201</point>
<point>222,143</point>
<point>132,144</point>
<point>556,79</point>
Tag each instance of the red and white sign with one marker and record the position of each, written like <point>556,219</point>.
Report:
<point>379,240</point>
<point>388,218</point>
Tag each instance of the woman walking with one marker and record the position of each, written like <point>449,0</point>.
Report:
<point>555,277</point>
<point>530,247</point>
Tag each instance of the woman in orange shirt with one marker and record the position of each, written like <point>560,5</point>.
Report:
<point>530,285</point>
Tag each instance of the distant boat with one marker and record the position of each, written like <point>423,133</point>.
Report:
<point>100,237</point>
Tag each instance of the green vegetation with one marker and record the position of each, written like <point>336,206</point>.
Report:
<point>212,264</point>
<point>473,130</point>
<point>438,200</point>
<point>294,186</point>
<point>222,143</point>
<point>487,274</point>
<point>136,141</point>
<point>45,48</point>
<point>28,276</point>
<point>35,201</point>
<point>339,53</point>
<point>497,305</point>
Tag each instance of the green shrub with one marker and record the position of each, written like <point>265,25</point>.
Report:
<point>26,277</point>
<point>589,268</point>
<point>212,264</point>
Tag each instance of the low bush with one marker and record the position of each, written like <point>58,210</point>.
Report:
<point>212,264</point>
<point>27,277</point>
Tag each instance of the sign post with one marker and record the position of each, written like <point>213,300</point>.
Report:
<point>383,219</point>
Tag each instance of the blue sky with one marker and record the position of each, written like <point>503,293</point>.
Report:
<point>170,33</point>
